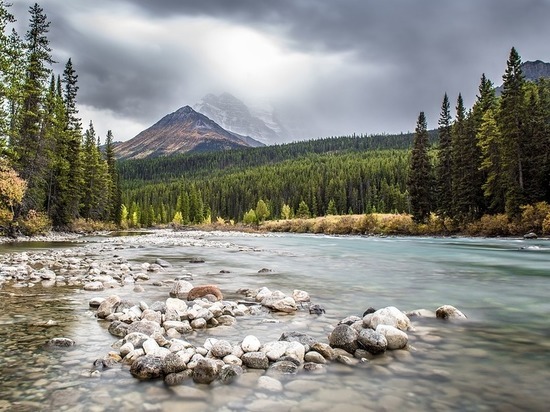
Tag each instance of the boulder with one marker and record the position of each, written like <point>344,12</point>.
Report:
<point>285,367</point>
<point>118,328</point>
<point>180,289</point>
<point>388,316</point>
<point>397,339</point>
<point>108,306</point>
<point>449,312</point>
<point>300,296</point>
<point>372,341</point>
<point>230,373</point>
<point>206,371</point>
<point>204,290</point>
<point>255,360</point>
<point>221,348</point>
<point>147,367</point>
<point>274,350</point>
<point>174,363</point>
<point>145,326</point>
<point>251,344</point>
<point>344,337</point>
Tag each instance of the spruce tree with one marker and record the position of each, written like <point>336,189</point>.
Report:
<point>511,124</point>
<point>444,185</point>
<point>419,183</point>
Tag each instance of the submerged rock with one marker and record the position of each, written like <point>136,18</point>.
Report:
<point>204,290</point>
<point>449,312</point>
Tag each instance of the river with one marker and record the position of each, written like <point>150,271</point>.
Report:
<point>499,359</point>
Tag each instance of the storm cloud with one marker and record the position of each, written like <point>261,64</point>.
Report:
<point>335,67</point>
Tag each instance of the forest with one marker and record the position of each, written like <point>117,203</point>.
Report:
<point>487,166</point>
<point>53,172</point>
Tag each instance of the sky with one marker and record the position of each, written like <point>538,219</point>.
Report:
<point>334,67</point>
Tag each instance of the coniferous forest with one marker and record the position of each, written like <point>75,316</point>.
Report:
<point>53,172</point>
<point>485,169</point>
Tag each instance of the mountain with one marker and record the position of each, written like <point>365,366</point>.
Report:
<point>532,70</point>
<point>185,130</point>
<point>232,114</point>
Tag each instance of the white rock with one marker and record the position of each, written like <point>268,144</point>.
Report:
<point>397,339</point>
<point>269,384</point>
<point>389,316</point>
<point>274,350</point>
<point>251,344</point>
<point>300,296</point>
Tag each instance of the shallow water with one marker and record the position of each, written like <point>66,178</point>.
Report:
<point>498,360</point>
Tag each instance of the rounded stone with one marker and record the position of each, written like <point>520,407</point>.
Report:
<point>344,337</point>
<point>449,312</point>
<point>255,360</point>
<point>397,339</point>
<point>230,373</point>
<point>389,316</point>
<point>206,371</point>
<point>221,349</point>
<point>372,341</point>
<point>147,367</point>
<point>251,344</point>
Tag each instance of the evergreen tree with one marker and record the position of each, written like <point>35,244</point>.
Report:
<point>262,211</point>
<point>419,182</point>
<point>93,201</point>
<point>29,144</point>
<point>303,211</point>
<point>511,124</point>
<point>489,141</point>
<point>114,199</point>
<point>444,185</point>
<point>331,209</point>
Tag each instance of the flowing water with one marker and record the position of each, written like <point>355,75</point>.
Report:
<point>497,360</point>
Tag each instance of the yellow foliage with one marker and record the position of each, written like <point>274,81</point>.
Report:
<point>12,187</point>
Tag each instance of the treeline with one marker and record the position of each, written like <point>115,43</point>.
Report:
<point>313,185</point>
<point>163,169</point>
<point>491,160</point>
<point>61,173</point>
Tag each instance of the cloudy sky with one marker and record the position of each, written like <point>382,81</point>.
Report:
<point>338,66</point>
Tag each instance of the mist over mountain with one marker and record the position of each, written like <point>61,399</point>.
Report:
<point>259,122</point>
<point>182,131</point>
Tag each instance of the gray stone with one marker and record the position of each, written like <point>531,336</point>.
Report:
<point>372,341</point>
<point>180,289</point>
<point>136,339</point>
<point>147,367</point>
<point>221,348</point>
<point>94,286</point>
<point>173,379</point>
<point>449,312</point>
<point>313,356</point>
<point>389,316</point>
<point>324,349</point>
<point>274,350</point>
<point>61,342</point>
<point>270,384</point>
<point>230,373</point>
<point>285,367</point>
<point>255,360</point>
<point>118,329</point>
<point>174,363</point>
<point>206,371</point>
<point>145,326</point>
<point>108,306</point>
<point>397,339</point>
<point>344,337</point>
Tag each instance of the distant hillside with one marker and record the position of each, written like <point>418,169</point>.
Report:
<point>183,131</point>
<point>532,70</point>
<point>232,114</point>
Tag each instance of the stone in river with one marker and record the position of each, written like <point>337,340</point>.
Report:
<point>251,344</point>
<point>144,326</point>
<point>180,289</point>
<point>229,373</point>
<point>94,286</point>
<point>372,341</point>
<point>206,371</point>
<point>397,339</point>
<point>255,360</point>
<point>61,342</point>
<point>449,312</point>
<point>174,363</point>
<point>344,337</point>
<point>204,290</point>
<point>389,316</point>
<point>108,306</point>
<point>147,367</point>
<point>285,367</point>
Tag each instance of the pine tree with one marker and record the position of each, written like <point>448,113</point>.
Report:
<point>113,190</point>
<point>511,123</point>
<point>490,142</point>
<point>444,186</point>
<point>28,143</point>
<point>419,183</point>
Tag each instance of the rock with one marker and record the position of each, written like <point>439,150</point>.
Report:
<point>300,296</point>
<point>108,306</point>
<point>136,339</point>
<point>95,302</point>
<point>180,327</point>
<point>324,349</point>
<point>269,384</point>
<point>262,294</point>
<point>313,356</point>
<point>201,291</point>
<point>118,328</point>
<point>301,337</point>
<point>274,350</point>
<point>255,360</point>
<point>173,379</point>
<point>157,306</point>
<point>206,371</point>
<point>350,320</point>
<point>147,367</point>
<point>94,286</point>
<point>230,373</point>
<point>530,235</point>
<point>199,323</point>
<point>296,350</point>
<point>285,304</point>
<point>388,316</point>
<point>221,348</point>
<point>449,312</point>
<point>420,313</point>
<point>180,289</point>
<point>196,260</point>
<point>145,326</point>
<point>314,367</point>
<point>251,344</point>
<point>285,367</point>
<point>61,342</point>
<point>152,316</point>
<point>150,346</point>
<point>163,263</point>
<point>264,270</point>
<point>226,320</point>
<point>344,337</point>
<point>372,341</point>
<point>178,305</point>
<point>126,348</point>
<point>369,311</point>
<point>316,310</point>
<point>173,363</point>
<point>397,339</point>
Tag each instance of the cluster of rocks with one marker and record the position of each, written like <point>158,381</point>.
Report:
<point>152,338</point>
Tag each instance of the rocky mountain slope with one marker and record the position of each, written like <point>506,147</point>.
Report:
<point>232,114</point>
<point>185,130</point>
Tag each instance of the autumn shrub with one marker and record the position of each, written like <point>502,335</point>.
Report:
<point>490,226</point>
<point>89,226</point>
<point>35,223</point>
<point>398,224</point>
<point>546,225</point>
<point>533,217</point>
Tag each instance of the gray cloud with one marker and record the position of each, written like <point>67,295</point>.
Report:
<point>389,59</point>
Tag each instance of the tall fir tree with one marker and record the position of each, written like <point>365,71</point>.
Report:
<point>444,187</point>
<point>114,193</point>
<point>419,183</point>
<point>29,144</point>
<point>511,124</point>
